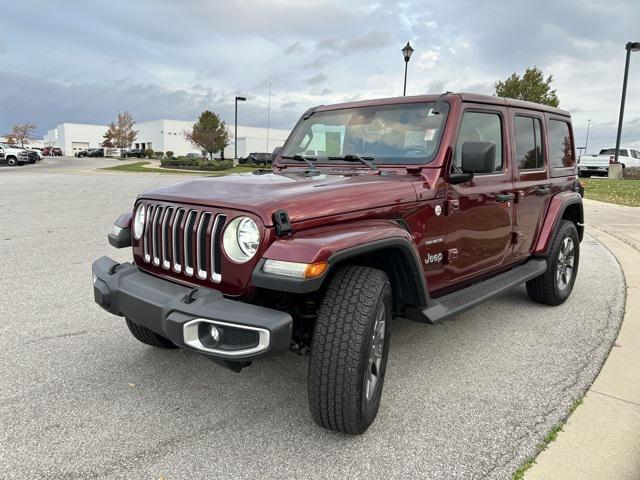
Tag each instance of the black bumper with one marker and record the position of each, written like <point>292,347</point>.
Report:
<point>183,315</point>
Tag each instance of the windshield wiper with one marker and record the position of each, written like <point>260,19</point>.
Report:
<point>356,158</point>
<point>303,158</point>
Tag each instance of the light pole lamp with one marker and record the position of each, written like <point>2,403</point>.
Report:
<point>630,47</point>
<point>406,52</point>
<point>235,130</point>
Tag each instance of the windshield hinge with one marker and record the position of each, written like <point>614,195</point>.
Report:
<point>281,223</point>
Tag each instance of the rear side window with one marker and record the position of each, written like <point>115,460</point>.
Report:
<point>529,154</point>
<point>635,154</point>
<point>560,147</point>
<point>480,127</point>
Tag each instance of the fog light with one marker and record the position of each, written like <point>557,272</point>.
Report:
<point>215,333</point>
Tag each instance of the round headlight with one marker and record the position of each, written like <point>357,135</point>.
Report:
<point>241,239</point>
<point>138,221</point>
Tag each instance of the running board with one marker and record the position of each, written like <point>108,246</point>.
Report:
<point>457,302</point>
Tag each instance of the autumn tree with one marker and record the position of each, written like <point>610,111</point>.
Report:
<point>120,133</point>
<point>209,134</point>
<point>21,133</point>
<point>532,86</point>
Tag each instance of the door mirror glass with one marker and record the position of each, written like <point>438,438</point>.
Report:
<point>275,153</point>
<point>478,157</point>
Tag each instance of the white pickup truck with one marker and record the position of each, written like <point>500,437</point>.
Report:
<point>13,155</point>
<point>599,164</point>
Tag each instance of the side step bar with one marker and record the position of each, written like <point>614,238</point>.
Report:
<point>457,302</point>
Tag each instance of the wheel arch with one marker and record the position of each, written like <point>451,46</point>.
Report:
<point>563,206</point>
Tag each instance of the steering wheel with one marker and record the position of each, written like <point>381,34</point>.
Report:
<point>419,151</point>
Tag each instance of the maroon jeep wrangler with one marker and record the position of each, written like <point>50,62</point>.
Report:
<point>418,207</point>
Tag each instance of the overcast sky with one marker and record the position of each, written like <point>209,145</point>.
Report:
<point>83,61</point>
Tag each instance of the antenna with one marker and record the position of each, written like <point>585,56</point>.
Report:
<point>268,117</point>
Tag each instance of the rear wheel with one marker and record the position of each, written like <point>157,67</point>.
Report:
<point>555,285</point>
<point>144,335</point>
<point>349,350</point>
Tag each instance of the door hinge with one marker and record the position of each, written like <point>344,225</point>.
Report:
<point>516,237</point>
<point>453,206</point>
<point>452,254</point>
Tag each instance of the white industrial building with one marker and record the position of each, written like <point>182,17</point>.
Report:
<point>162,136</point>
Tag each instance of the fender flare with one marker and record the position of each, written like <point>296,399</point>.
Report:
<point>557,206</point>
<point>394,237</point>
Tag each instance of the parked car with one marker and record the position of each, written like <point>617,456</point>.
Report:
<point>12,155</point>
<point>134,152</point>
<point>264,158</point>
<point>465,197</point>
<point>34,156</point>
<point>82,153</point>
<point>95,152</point>
<point>194,155</point>
<point>52,151</point>
<point>599,164</point>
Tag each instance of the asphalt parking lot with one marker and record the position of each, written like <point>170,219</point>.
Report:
<point>80,398</point>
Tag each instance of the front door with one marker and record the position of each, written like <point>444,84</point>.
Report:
<point>480,212</point>
<point>531,178</point>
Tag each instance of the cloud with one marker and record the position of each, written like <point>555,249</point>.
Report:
<point>319,78</point>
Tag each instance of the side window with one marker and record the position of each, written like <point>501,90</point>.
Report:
<point>483,127</point>
<point>560,147</point>
<point>528,132</point>
<point>635,154</point>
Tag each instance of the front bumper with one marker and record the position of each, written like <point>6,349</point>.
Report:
<point>185,315</point>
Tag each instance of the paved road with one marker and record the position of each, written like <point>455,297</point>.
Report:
<point>80,398</point>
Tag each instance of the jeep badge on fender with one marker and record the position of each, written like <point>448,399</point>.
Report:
<point>417,207</point>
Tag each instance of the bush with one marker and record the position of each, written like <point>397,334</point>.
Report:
<point>169,154</point>
<point>631,173</point>
<point>148,153</point>
<point>196,164</point>
<point>159,155</point>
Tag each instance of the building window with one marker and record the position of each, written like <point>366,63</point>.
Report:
<point>529,154</point>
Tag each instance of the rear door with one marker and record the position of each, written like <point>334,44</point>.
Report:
<point>480,212</point>
<point>531,177</point>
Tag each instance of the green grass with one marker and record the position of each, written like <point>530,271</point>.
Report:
<point>548,438</point>
<point>139,168</point>
<point>622,192</point>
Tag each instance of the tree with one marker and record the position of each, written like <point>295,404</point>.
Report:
<point>120,133</point>
<point>21,133</point>
<point>209,134</point>
<point>531,86</point>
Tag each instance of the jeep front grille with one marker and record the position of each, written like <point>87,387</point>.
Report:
<point>184,240</point>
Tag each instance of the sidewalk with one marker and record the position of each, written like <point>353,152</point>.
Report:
<point>601,440</point>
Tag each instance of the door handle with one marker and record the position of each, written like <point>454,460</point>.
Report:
<point>543,190</point>
<point>505,197</point>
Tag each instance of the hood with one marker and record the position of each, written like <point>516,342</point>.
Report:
<point>302,196</point>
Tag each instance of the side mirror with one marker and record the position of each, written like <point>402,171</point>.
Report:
<point>478,157</point>
<point>275,153</point>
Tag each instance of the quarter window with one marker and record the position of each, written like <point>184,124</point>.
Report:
<point>529,154</point>
<point>560,146</point>
<point>480,127</point>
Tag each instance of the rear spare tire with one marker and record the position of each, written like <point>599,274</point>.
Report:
<point>349,350</point>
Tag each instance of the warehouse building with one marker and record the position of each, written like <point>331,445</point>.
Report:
<point>162,136</point>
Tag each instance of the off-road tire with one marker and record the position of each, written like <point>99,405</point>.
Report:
<point>340,350</point>
<point>12,162</point>
<point>544,289</point>
<point>145,335</point>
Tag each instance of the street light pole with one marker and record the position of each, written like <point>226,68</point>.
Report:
<point>586,142</point>
<point>235,130</point>
<point>406,52</point>
<point>630,47</point>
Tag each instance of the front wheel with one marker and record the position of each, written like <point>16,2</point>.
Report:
<point>555,285</point>
<point>12,162</point>
<point>349,350</point>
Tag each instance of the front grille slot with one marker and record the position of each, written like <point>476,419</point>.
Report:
<point>187,241</point>
<point>176,240</point>
<point>216,248</point>
<point>201,244</point>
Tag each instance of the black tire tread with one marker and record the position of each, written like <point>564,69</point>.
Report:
<point>339,344</point>
<point>542,289</point>
<point>144,335</point>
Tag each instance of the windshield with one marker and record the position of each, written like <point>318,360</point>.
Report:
<point>385,134</point>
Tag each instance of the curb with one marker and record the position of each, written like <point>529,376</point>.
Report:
<point>601,439</point>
